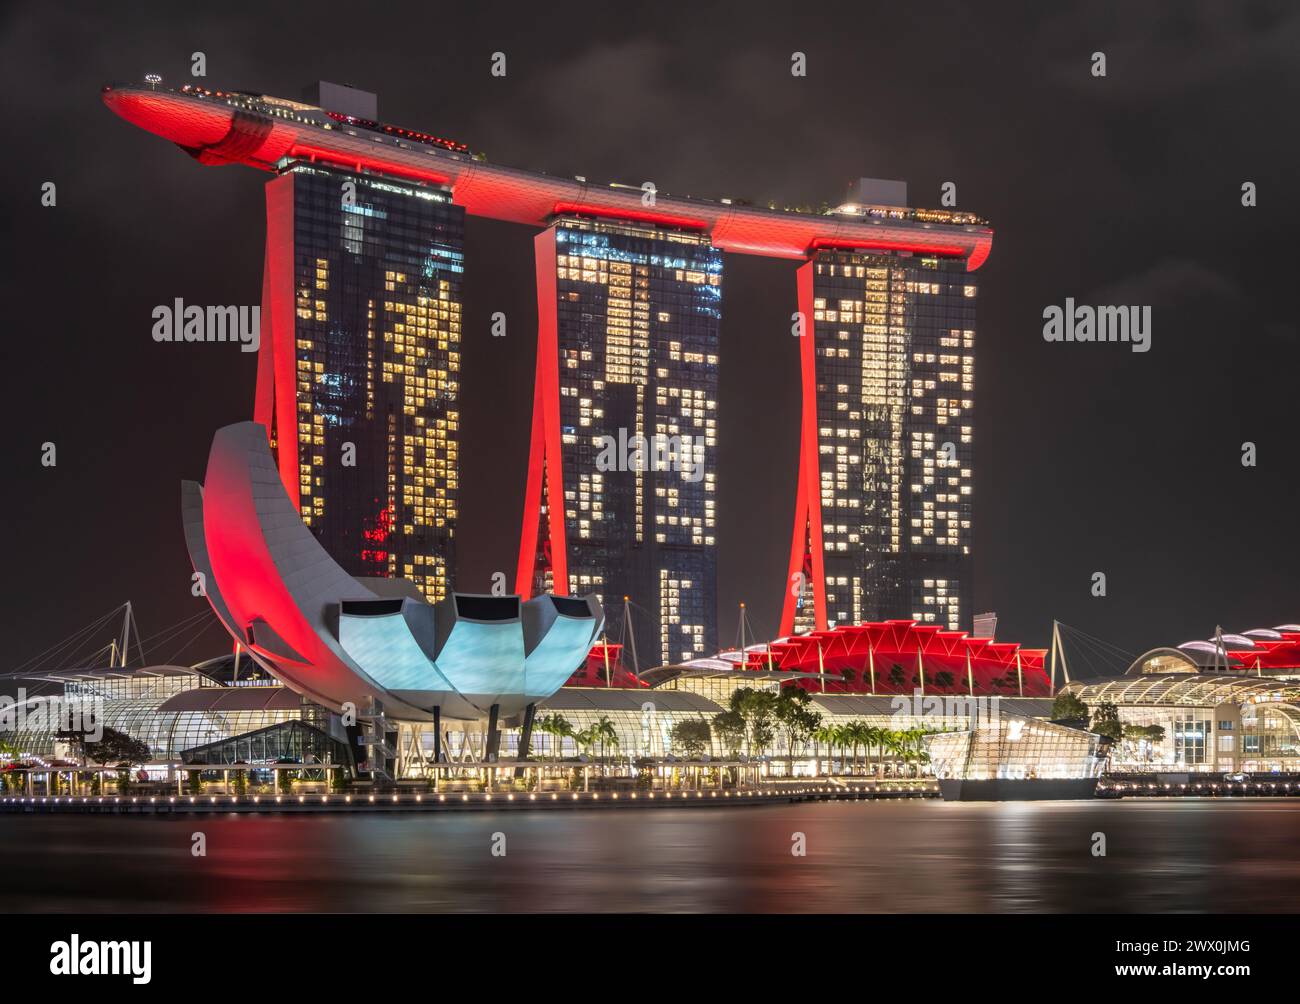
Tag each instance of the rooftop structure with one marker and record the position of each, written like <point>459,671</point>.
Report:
<point>896,657</point>
<point>1262,651</point>
<point>238,127</point>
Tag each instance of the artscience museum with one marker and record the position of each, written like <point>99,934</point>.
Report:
<point>371,645</point>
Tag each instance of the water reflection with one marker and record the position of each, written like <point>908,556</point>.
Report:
<point>862,856</point>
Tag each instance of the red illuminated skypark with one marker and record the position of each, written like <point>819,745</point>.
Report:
<point>226,127</point>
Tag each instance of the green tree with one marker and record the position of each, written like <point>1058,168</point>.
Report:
<point>943,680</point>
<point>1067,706</point>
<point>897,675</point>
<point>1152,735</point>
<point>111,747</point>
<point>730,728</point>
<point>758,709</point>
<point>1105,721</point>
<point>692,736</point>
<point>793,710</point>
<point>10,780</point>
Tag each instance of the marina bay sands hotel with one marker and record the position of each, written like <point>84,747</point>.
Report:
<point>358,374</point>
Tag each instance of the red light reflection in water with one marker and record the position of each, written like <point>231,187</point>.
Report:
<point>905,856</point>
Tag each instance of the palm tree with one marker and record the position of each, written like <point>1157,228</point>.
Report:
<point>585,738</point>
<point>842,740</point>
<point>557,726</point>
<point>605,734</point>
<point>872,737</point>
<point>858,733</point>
<point>828,734</point>
<point>922,757</point>
<point>867,734</point>
<point>844,737</point>
<point>909,746</point>
<point>895,743</point>
<point>839,737</point>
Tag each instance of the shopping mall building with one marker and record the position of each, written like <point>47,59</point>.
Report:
<point>1226,705</point>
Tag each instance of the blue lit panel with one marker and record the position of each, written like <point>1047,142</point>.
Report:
<point>383,647</point>
<point>484,660</point>
<point>558,654</point>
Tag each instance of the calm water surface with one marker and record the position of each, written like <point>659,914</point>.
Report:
<point>862,856</point>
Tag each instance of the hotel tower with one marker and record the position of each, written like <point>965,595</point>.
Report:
<point>622,481</point>
<point>882,526</point>
<point>358,379</point>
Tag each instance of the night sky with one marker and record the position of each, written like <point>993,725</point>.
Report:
<point>1117,190</point>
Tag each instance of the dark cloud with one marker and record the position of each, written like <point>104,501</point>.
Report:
<point>1168,282</point>
<point>1128,187</point>
<point>1159,52</point>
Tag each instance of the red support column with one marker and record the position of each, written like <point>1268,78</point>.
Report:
<point>264,391</point>
<point>278,327</point>
<point>798,550</point>
<point>544,449</point>
<point>808,500</point>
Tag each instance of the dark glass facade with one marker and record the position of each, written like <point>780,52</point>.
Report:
<point>377,284</point>
<point>638,313</point>
<point>293,740</point>
<point>895,351</point>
